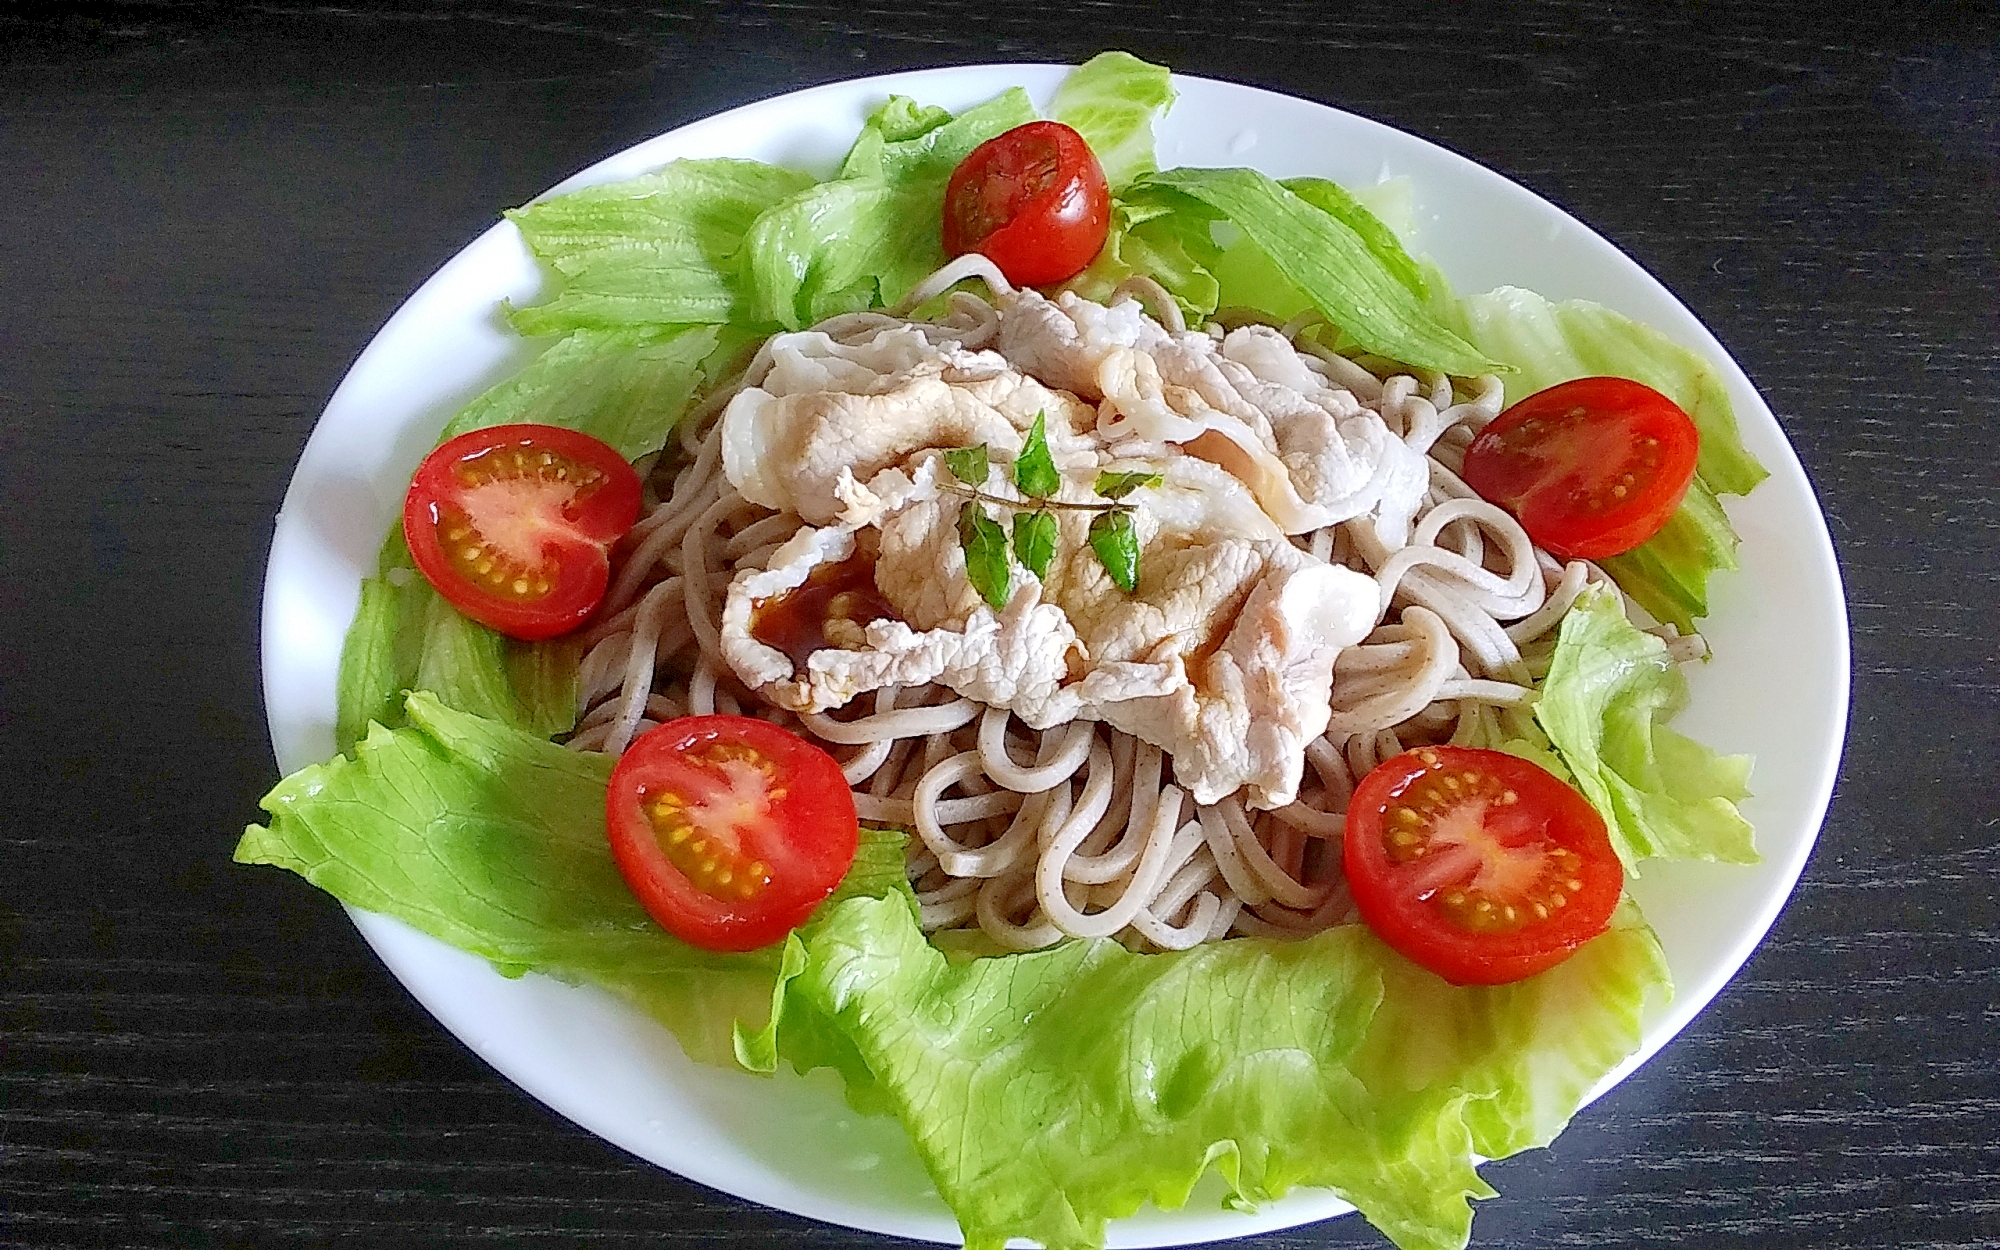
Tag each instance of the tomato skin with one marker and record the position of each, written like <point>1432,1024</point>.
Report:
<point>1591,467</point>
<point>1413,879</point>
<point>1033,201</point>
<point>496,493</point>
<point>761,797</point>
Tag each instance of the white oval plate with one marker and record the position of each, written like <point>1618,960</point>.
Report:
<point>1777,687</point>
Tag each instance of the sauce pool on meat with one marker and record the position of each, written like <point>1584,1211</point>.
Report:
<point>839,596</point>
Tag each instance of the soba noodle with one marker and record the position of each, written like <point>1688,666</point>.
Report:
<point>1080,830</point>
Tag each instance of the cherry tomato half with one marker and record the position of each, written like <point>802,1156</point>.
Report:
<point>729,829</point>
<point>513,525</point>
<point>1477,864</point>
<point>1033,201</point>
<point>1592,467</point>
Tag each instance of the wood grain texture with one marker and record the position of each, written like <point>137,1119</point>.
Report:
<point>211,208</point>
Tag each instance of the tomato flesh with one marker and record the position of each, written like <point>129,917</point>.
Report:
<point>513,525</point>
<point>728,829</point>
<point>1591,468</point>
<point>1478,865</point>
<point>1033,201</point>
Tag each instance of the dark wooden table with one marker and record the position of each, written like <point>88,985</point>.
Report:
<point>207,212</point>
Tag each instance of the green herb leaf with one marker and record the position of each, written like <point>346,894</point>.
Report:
<point>1035,540</point>
<point>1117,546</point>
<point>985,554</point>
<point>967,464</point>
<point>1035,471</point>
<point>1118,485</point>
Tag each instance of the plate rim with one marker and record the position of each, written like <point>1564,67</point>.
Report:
<point>388,937</point>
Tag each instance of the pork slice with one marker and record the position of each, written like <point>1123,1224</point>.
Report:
<point>1064,341</point>
<point>1251,403</point>
<point>1222,654</point>
<point>789,450</point>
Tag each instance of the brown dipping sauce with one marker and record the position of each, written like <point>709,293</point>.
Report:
<point>795,622</point>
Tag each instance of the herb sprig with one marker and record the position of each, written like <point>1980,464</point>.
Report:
<point>1114,539</point>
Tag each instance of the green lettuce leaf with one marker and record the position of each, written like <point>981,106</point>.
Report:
<point>908,144</point>
<point>1609,692</point>
<point>1112,100</point>
<point>1331,266</point>
<point>1381,216</point>
<point>1343,206</point>
<point>369,685</point>
<point>659,249</point>
<point>1247,278</point>
<point>1547,343</point>
<point>493,840</point>
<point>1250,278</point>
<point>899,120</point>
<point>796,1030</point>
<point>1668,573</point>
<point>627,387</point>
<point>1097,1079</point>
<point>873,233</point>
<point>1148,238</point>
<point>1393,203</point>
<point>406,637</point>
<point>1050,1091</point>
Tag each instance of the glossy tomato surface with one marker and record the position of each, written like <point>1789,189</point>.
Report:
<point>1592,467</point>
<point>1477,864</point>
<point>728,829</point>
<point>513,525</point>
<point>1033,201</point>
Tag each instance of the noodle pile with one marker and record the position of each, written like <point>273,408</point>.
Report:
<point>1079,830</point>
